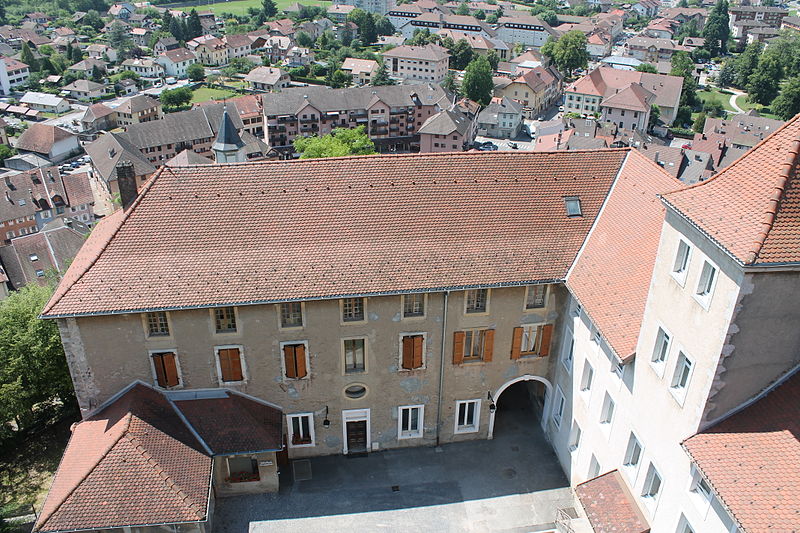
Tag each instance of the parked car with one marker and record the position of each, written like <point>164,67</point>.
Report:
<point>171,81</point>
<point>513,146</point>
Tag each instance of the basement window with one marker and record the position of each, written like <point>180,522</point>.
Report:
<point>573,205</point>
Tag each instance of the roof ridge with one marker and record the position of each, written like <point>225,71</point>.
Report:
<point>44,517</point>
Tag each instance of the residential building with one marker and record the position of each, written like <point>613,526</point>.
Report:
<point>209,50</point>
<point>502,119</point>
<point>122,10</point>
<point>361,70</point>
<point>537,89</point>
<point>49,103</point>
<point>652,50</point>
<point>449,130</point>
<point>98,117</point>
<point>176,61</point>
<point>629,108</point>
<point>391,114</point>
<point>267,79</point>
<point>16,72</point>
<point>298,56</point>
<point>164,44</point>
<point>525,29</point>
<point>742,131</point>
<point>339,12</point>
<point>137,109</point>
<point>421,64</point>
<point>99,51</point>
<point>85,67</point>
<point>140,36</point>
<point>239,45</point>
<point>646,8</point>
<point>147,68</point>
<point>436,20</point>
<point>106,154</point>
<point>742,19</point>
<point>86,90</point>
<point>276,48</point>
<point>480,45</point>
<point>250,112</point>
<point>50,142</point>
<point>379,7</point>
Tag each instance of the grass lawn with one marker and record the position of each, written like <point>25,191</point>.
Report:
<point>239,7</point>
<point>205,94</point>
<point>742,102</point>
<point>724,99</point>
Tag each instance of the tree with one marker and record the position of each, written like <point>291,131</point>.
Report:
<point>727,74</point>
<point>684,115</point>
<point>713,107</point>
<point>383,26</point>
<point>647,67</point>
<point>787,104</point>
<point>746,64</point>
<point>494,59</point>
<point>461,55</point>
<point>463,9</point>
<point>450,83</point>
<point>119,38</point>
<point>478,84</point>
<point>549,17</point>
<point>699,123</point>
<point>304,40</point>
<point>655,114</point>
<point>381,76</point>
<point>269,8</point>
<point>5,152</point>
<point>683,3</point>
<point>33,368</point>
<point>339,143</point>
<point>196,72</point>
<point>93,19</point>
<point>763,83</point>
<point>176,98</point>
<point>27,57</point>
<point>2,12</point>
<point>568,52</point>
<point>194,28</point>
<point>97,74</point>
<point>176,29</point>
<point>366,25</point>
<point>683,66</point>
<point>716,31</point>
<point>480,14</point>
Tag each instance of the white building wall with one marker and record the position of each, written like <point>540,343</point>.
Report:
<point>526,37</point>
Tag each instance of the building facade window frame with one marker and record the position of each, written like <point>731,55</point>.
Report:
<point>300,369</point>
<point>157,325</point>
<point>349,312</point>
<point>287,311</point>
<point>242,370</point>
<point>467,414</point>
<point>163,373</point>
<point>218,318</point>
<point>414,306</point>
<point>300,434</point>
<point>405,428</point>
<point>476,301</point>
<point>365,355</point>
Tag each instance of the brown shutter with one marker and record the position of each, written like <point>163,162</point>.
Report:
<point>488,345</point>
<point>408,352</point>
<point>290,361</point>
<point>236,364</point>
<point>458,347</point>
<point>516,343</point>
<point>224,364</point>
<point>170,369</point>
<point>418,340</point>
<point>300,358</point>
<point>158,363</point>
<point>546,332</point>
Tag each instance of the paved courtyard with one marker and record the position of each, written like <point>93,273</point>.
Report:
<point>510,484</point>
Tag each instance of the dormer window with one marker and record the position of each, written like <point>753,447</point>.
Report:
<point>34,257</point>
<point>573,205</point>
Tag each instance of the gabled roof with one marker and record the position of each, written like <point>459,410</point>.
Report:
<point>137,104</point>
<point>429,52</point>
<point>752,208</point>
<point>188,157</point>
<point>445,123</point>
<point>40,138</point>
<point>111,148</point>
<point>634,97</point>
<point>508,208</point>
<point>751,460</point>
<point>610,506</point>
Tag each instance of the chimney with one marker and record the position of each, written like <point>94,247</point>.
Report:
<point>126,181</point>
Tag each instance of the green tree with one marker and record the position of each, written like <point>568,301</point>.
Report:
<point>480,15</point>
<point>269,8</point>
<point>33,368</point>
<point>368,34</point>
<point>339,143</point>
<point>97,74</point>
<point>683,116</point>
<point>119,38</point>
<point>568,52</point>
<point>716,32</point>
<point>177,29</point>
<point>93,19</point>
<point>194,28</point>
<point>727,74</point>
<point>647,67</point>
<point>2,12</point>
<point>381,76</point>
<point>450,83</point>
<point>27,57</point>
<point>304,40</point>
<point>655,114</point>
<point>478,84</point>
<point>787,104</point>
<point>5,152</point>
<point>196,72</point>
<point>699,123</point>
<point>550,17</point>
<point>763,83</point>
<point>746,64</point>
<point>713,107</point>
<point>176,98</point>
<point>683,66</point>
<point>494,59</point>
<point>383,26</point>
<point>461,55</point>
<point>463,9</point>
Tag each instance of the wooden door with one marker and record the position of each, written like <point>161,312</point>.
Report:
<point>357,436</point>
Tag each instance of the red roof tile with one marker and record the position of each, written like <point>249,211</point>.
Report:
<point>610,506</point>
<point>309,229</point>
<point>752,208</point>
<point>752,460</point>
<point>611,277</point>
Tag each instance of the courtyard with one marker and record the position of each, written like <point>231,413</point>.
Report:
<point>511,483</point>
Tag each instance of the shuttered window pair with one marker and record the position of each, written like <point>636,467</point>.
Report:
<point>230,364</point>
<point>294,358</point>
<point>473,345</point>
<point>166,367</point>
<point>413,346</point>
<point>531,340</point>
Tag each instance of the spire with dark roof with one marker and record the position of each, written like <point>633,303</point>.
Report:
<point>228,148</point>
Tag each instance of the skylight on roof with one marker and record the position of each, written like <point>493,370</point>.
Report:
<point>573,204</point>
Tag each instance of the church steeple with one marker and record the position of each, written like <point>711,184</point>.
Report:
<point>228,148</point>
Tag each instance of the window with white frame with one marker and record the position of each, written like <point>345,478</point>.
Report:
<point>652,485</point>
<point>476,301</point>
<point>574,437</point>
<point>633,455</point>
<point>468,416</point>
<point>576,309</point>
<point>535,296</point>
<point>413,305</point>
<point>705,285</point>
<point>607,412</point>
<point>301,429</point>
<point>558,409</point>
<point>661,349</point>
<point>354,355</point>
<point>700,489</point>
<point>680,378</point>
<point>681,265</point>
<point>569,352</point>
<point>594,467</point>
<point>587,377</point>
<point>410,421</point>
<point>684,526</point>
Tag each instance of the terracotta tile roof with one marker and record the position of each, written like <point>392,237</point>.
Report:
<point>40,138</point>
<point>611,277</point>
<point>752,208</point>
<point>429,52</point>
<point>606,81</point>
<point>633,97</point>
<point>751,460</point>
<point>233,423</point>
<point>133,463</point>
<point>467,219</point>
<point>610,506</point>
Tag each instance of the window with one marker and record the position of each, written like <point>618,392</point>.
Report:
<point>558,410</point>
<point>409,421</point>
<point>607,412</point>
<point>531,341</point>
<point>574,437</point>
<point>165,366</point>
<point>353,310</point>
<point>594,467</point>
<point>476,301</point>
<point>225,319</point>
<point>413,305</point>
<point>242,469</point>
<point>705,286</point>
<point>301,430</point>
<point>39,273</point>
<point>535,296</point>
<point>576,309</point>
<point>295,362</point>
<point>652,485</point>
<point>573,206</point>
<point>680,378</point>
<point>157,324</point>
<point>291,315</point>
<point>229,364</point>
<point>468,416</point>
<point>684,526</point>
<point>354,355</point>
<point>700,489</point>
<point>412,351</point>
<point>633,455</point>
<point>661,348</point>
<point>473,345</point>
<point>569,352</point>
<point>587,377</point>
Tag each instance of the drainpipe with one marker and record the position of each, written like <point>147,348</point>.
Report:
<point>441,368</point>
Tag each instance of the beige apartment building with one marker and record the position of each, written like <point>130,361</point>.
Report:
<point>417,64</point>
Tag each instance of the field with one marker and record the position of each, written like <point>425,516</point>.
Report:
<point>239,7</point>
<point>205,94</point>
<point>724,99</point>
<point>742,102</point>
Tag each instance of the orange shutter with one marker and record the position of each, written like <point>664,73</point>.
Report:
<point>158,363</point>
<point>290,361</point>
<point>300,358</point>
<point>488,345</point>
<point>236,365</point>
<point>458,347</point>
<point>516,343</point>
<point>545,333</point>
<point>408,352</point>
<point>170,369</point>
<point>230,364</point>
<point>418,351</point>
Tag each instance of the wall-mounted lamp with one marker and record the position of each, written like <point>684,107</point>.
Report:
<point>326,423</point>
<point>492,406</point>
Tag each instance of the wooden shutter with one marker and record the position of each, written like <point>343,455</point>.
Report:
<point>458,347</point>
<point>516,343</point>
<point>290,361</point>
<point>418,341</point>
<point>161,375</point>
<point>170,369</point>
<point>408,352</point>
<point>545,333</point>
<point>488,344</point>
<point>230,363</point>
<point>300,359</point>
